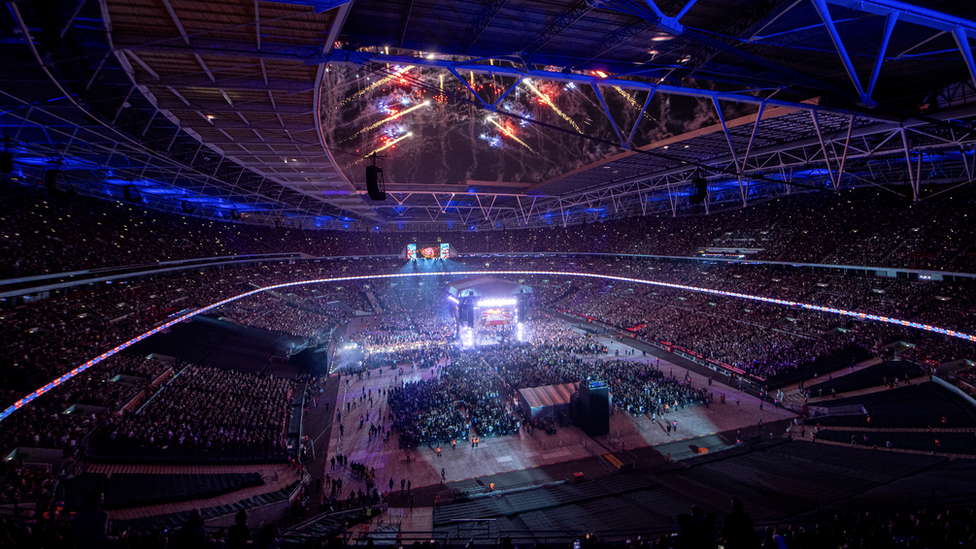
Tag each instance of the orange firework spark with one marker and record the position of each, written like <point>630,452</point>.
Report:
<point>389,144</point>
<point>626,95</point>
<point>545,100</point>
<point>393,116</point>
<point>632,101</point>
<point>378,83</point>
<point>511,134</point>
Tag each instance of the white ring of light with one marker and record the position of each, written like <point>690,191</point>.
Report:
<point>863,316</point>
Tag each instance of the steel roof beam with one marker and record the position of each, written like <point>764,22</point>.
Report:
<point>962,40</point>
<point>575,62</point>
<point>620,36</point>
<point>563,22</point>
<point>824,11</point>
<point>268,140</point>
<point>669,24</point>
<point>216,47</point>
<point>406,21</point>
<point>890,21</point>
<point>656,18</point>
<point>425,191</point>
<point>918,15</point>
<point>846,135</point>
<point>130,158</point>
<point>753,20</point>
<point>269,126</point>
<point>221,107</point>
<point>661,181</point>
<point>229,83</point>
<point>176,21</point>
<point>319,6</point>
<point>486,16</point>
<point>443,209</point>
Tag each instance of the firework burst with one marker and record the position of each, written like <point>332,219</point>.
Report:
<point>385,120</point>
<point>388,144</point>
<point>545,100</point>
<point>376,84</point>
<point>511,134</point>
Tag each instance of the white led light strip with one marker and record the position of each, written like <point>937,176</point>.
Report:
<point>498,302</point>
<point>864,316</point>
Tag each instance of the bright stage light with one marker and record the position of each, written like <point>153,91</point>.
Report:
<point>454,299</point>
<point>467,338</point>
<point>498,302</point>
<point>863,316</point>
<point>520,331</point>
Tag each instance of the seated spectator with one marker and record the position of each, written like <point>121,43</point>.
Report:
<point>91,526</point>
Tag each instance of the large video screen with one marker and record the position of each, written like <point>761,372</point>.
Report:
<point>439,250</point>
<point>495,317</point>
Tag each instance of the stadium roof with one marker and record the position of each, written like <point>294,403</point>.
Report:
<point>486,286</point>
<point>522,113</point>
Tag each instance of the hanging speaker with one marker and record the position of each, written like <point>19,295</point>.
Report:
<point>701,190</point>
<point>186,207</point>
<point>51,183</point>
<point>6,157</point>
<point>131,194</point>
<point>374,181</point>
<point>234,214</point>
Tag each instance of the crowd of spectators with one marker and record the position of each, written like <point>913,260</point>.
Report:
<point>464,399</point>
<point>115,384</point>
<point>45,234</point>
<point>51,422</point>
<point>205,408</point>
<point>639,388</point>
<point>64,419</point>
<point>51,336</point>
<point>202,409</point>
<point>293,316</point>
<point>552,335</point>
<point>474,391</point>
<point>767,339</point>
<point>47,337</point>
<point>209,409</point>
<point>428,325</point>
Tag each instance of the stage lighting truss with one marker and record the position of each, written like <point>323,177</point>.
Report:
<point>498,302</point>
